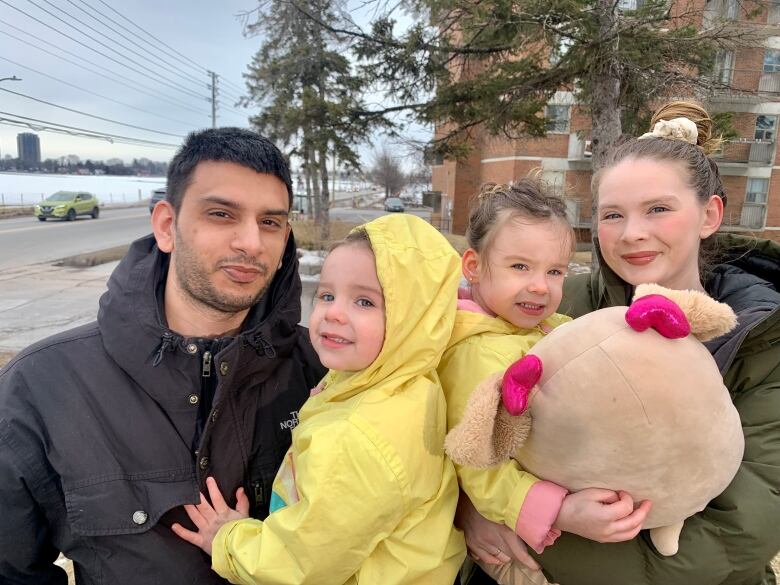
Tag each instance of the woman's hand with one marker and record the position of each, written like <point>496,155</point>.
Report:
<point>487,541</point>
<point>602,515</point>
<point>210,519</point>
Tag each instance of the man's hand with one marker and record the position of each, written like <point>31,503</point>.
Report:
<point>602,515</point>
<point>209,519</point>
<point>491,543</point>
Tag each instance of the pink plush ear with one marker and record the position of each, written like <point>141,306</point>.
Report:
<point>518,381</point>
<point>661,314</point>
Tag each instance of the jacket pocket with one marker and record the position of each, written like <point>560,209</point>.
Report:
<point>126,503</point>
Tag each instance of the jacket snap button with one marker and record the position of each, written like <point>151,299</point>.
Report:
<point>192,348</point>
<point>223,368</point>
<point>140,517</point>
<point>204,462</point>
<point>193,398</point>
<point>214,415</point>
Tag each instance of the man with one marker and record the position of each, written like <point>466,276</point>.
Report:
<point>196,367</point>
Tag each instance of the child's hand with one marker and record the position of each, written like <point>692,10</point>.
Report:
<point>486,541</point>
<point>602,515</point>
<point>209,519</point>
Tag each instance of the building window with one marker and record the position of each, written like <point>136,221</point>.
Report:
<point>627,5</point>
<point>772,61</point>
<point>560,49</point>
<point>731,9</point>
<point>724,66</point>
<point>757,190</point>
<point>774,12</point>
<point>765,128</point>
<point>558,118</point>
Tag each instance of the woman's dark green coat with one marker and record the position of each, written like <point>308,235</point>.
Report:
<point>732,541</point>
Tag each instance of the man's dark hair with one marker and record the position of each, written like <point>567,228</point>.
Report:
<point>236,145</point>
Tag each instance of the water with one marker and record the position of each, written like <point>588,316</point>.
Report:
<point>26,189</point>
<point>29,188</point>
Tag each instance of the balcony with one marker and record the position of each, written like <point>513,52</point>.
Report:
<point>729,83</point>
<point>750,217</point>
<point>754,153</point>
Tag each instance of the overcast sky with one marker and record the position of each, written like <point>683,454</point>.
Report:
<point>163,92</point>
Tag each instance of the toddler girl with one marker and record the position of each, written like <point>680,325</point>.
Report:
<point>520,245</point>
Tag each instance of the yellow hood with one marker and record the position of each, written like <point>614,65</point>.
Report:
<point>419,272</point>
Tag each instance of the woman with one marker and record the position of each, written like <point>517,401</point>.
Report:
<point>660,204</point>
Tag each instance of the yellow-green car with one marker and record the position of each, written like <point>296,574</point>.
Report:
<point>67,205</point>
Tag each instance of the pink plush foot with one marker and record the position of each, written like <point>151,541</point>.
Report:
<point>661,314</point>
<point>518,381</point>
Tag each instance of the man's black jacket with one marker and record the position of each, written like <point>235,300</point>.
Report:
<point>99,445</point>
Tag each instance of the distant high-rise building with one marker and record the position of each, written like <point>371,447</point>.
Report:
<point>29,147</point>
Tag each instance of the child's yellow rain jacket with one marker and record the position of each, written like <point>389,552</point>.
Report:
<point>482,345</point>
<point>366,494</point>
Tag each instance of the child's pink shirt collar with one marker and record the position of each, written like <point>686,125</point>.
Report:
<point>467,303</point>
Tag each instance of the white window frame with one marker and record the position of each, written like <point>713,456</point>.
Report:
<point>724,66</point>
<point>757,191</point>
<point>558,124</point>
<point>767,134</point>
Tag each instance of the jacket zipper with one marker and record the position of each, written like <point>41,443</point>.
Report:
<point>257,487</point>
<point>206,370</point>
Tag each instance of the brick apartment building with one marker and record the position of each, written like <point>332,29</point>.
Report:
<point>749,164</point>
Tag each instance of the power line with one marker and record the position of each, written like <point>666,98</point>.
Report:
<point>164,66</point>
<point>90,115</point>
<point>94,93</point>
<point>142,73</point>
<point>134,87</point>
<point>147,33</point>
<point>85,132</point>
<point>181,57</point>
<point>102,44</point>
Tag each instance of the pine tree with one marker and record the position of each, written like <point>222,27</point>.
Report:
<point>490,67</point>
<point>306,91</point>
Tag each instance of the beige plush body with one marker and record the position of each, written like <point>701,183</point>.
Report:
<point>620,409</point>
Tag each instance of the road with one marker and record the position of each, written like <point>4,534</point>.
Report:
<point>25,240</point>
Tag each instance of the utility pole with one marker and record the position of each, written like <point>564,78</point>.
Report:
<point>213,99</point>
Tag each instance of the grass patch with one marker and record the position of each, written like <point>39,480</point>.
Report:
<point>15,211</point>
<point>307,234</point>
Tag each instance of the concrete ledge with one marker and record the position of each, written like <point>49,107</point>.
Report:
<point>94,258</point>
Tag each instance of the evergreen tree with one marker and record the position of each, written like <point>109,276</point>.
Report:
<point>306,91</point>
<point>491,66</point>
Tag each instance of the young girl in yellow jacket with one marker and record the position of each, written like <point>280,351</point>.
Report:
<point>365,494</point>
<point>520,243</point>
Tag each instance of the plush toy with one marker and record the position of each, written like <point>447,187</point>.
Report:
<point>624,398</point>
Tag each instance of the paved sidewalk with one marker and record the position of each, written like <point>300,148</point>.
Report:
<point>40,300</point>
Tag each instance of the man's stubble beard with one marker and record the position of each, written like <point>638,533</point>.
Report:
<point>194,279</point>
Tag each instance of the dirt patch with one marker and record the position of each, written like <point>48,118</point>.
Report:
<point>94,258</point>
<point>15,211</point>
<point>307,234</point>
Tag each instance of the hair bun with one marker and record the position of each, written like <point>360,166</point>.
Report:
<point>696,114</point>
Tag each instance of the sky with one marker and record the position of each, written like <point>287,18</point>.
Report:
<point>154,88</point>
